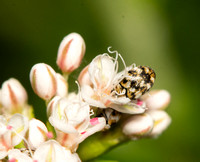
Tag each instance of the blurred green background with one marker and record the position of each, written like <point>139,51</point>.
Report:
<point>163,34</point>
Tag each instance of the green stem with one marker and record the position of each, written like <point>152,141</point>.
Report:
<point>101,142</point>
<point>66,76</point>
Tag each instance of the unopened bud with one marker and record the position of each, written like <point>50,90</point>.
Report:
<point>13,94</point>
<point>84,77</point>
<point>70,52</point>
<point>37,133</point>
<point>157,99</point>
<point>137,126</point>
<point>62,86</point>
<point>161,122</point>
<point>43,81</point>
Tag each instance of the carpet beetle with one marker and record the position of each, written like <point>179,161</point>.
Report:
<point>135,83</point>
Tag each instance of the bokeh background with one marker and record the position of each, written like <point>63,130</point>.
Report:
<point>163,34</point>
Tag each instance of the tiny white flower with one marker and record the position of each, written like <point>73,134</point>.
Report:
<point>14,131</point>
<point>70,114</point>
<point>71,118</point>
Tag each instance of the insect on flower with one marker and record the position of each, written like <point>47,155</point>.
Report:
<point>136,82</point>
<point>111,116</point>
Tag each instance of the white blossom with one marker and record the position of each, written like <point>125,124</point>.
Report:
<point>71,118</point>
<point>13,132</point>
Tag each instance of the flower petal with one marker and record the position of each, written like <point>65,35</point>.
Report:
<point>70,141</point>
<point>37,133</point>
<point>17,155</point>
<point>102,69</point>
<point>95,125</point>
<point>3,154</point>
<point>161,121</point>
<point>84,77</point>
<point>90,97</point>
<point>51,151</point>
<point>5,144</point>
<point>3,124</point>
<point>61,125</point>
<point>62,86</point>
<point>19,124</point>
<point>129,108</point>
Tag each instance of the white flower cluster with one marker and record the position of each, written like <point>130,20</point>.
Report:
<point>73,116</point>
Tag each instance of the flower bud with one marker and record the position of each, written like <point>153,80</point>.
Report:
<point>62,86</point>
<point>157,99</point>
<point>84,77</point>
<point>161,122</point>
<point>13,94</point>
<point>137,126</point>
<point>70,52</point>
<point>37,133</point>
<point>43,81</point>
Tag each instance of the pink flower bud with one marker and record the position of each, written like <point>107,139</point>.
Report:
<point>62,86</point>
<point>13,94</point>
<point>70,52</point>
<point>138,125</point>
<point>43,81</point>
<point>84,77</point>
<point>161,121</point>
<point>157,99</point>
